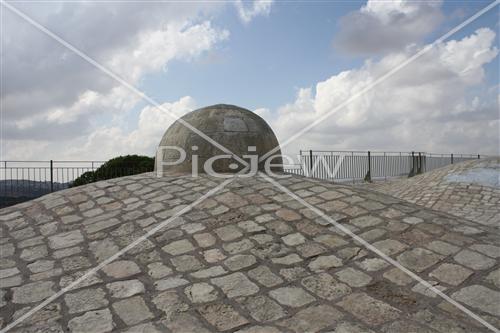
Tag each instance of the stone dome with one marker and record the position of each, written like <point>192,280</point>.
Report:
<point>231,126</point>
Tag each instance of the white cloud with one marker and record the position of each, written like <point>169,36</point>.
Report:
<point>382,26</point>
<point>109,141</point>
<point>52,95</point>
<point>257,8</point>
<point>437,103</point>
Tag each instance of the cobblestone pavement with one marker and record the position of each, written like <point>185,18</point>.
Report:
<point>249,259</point>
<point>435,190</point>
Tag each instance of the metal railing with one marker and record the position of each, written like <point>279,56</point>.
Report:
<point>31,179</point>
<point>358,166</point>
<point>22,180</point>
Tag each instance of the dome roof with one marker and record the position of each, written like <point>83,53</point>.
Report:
<point>233,127</point>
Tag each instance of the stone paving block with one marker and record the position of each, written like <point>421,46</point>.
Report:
<point>97,321</point>
<point>494,278</point>
<point>231,199</point>
<point>264,276</point>
<point>487,249</point>
<point>158,270</point>
<point>213,255</point>
<point>33,292</point>
<point>451,274</point>
<point>66,239</point>
<point>288,260</point>
<point>178,247</point>
<point>427,291</point>
<point>238,246</point>
<point>325,286</point>
<point>372,264</point>
<point>479,297</point>
<point>239,261</point>
<point>323,263</point>
<point>310,249</point>
<point>442,247</point>
<point>184,323</point>
<point>398,277</point>
<point>312,319</point>
<point>331,241</point>
<point>291,296</point>
<point>287,215</point>
<point>170,304</point>
<point>209,272</point>
<point>259,329</point>
<point>418,259</point>
<point>186,263</point>
<point>369,310</point>
<point>366,221</point>
<point>124,289</point>
<point>406,326</point>
<point>236,284</point>
<point>169,283</point>
<point>293,239</point>
<point>201,293</point>
<point>222,316</point>
<point>473,260</point>
<point>121,269</point>
<point>262,308</point>
<point>132,310</point>
<point>85,300</point>
<point>390,246</point>
<point>228,233</point>
<point>353,277</point>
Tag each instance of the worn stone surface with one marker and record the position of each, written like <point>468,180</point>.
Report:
<point>325,286</point>
<point>369,310</point>
<point>201,293</point>
<point>479,297</point>
<point>353,277</point>
<point>132,310</point>
<point>451,274</point>
<point>124,289</point>
<point>85,300</point>
<point>291,296</point>
<point>312,319</point>
<point>222,316</point>
<point>248,259</point>
<point>98,321</point>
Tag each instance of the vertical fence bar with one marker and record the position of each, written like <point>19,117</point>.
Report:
<point>51,176</point>
<point>311,162</point>
<point>451,158</point>
<point>478,156</point>
<point>368,176</point>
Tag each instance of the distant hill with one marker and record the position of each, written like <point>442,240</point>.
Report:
<point>14,191</point>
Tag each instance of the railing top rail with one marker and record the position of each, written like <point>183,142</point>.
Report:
<point>305,152</point>
<point>48,161</point>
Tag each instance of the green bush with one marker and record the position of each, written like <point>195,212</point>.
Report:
<point>117,167</point>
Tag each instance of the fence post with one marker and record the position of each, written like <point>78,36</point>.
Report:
<point>368,177</point>
<point>310,162</point>
<point>412,171</point>
<point>419,163</point>
<point>51,176</point>
<point>451,158</point>
<point>478,156</point>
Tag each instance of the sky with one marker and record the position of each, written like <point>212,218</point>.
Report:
<point>291,62</point>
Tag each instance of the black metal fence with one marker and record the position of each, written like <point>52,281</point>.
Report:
<point>357,166</point>
<point>21,180</point>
